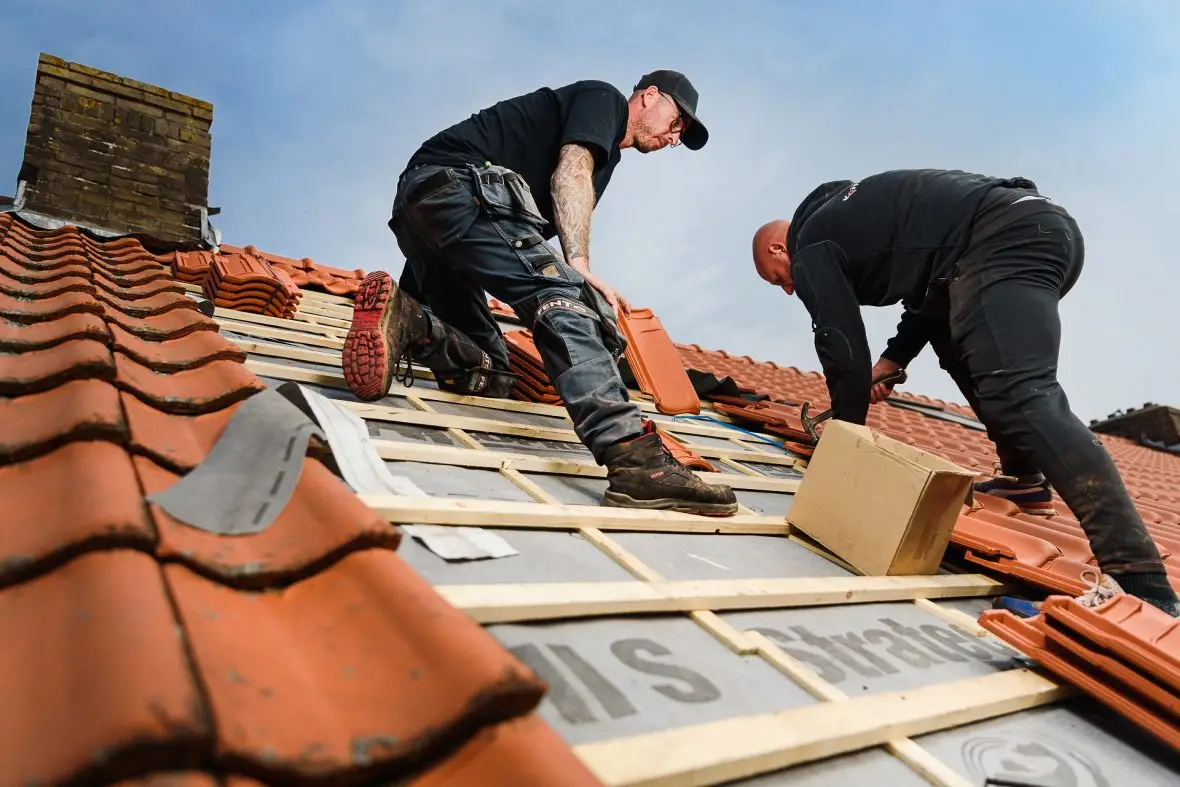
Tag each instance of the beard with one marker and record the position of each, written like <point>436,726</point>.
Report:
<point>646,139</point>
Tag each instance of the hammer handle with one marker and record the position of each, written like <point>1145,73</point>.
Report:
<point>893,378</point>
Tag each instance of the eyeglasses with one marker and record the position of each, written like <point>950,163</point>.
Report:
<point>679,124</point>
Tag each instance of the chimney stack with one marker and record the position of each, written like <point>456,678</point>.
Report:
<point>116,154</point>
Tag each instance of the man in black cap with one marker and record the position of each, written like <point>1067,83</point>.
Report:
<point>472,213</point>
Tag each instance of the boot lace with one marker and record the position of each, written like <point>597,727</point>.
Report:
<point>406,378</point>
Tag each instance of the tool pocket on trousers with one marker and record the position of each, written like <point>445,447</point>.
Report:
<point>444,214</point>
<point>539,257</point>
<point>508,195</point>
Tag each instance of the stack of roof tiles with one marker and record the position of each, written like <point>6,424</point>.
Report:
<point>307,273</point>
<point>191,267</point>
<point>305,653</point>
<point>248,283</point>
<point>532,382</point>
<point>1125,654</point>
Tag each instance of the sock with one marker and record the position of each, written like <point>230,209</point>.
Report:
<point>1153,587</point>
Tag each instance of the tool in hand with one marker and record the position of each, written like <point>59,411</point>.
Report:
<point>810,424</point>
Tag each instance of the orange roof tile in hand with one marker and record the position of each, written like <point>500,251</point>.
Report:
<point>656,365</point>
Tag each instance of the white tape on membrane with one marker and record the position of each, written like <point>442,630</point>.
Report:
<point>365,471</point>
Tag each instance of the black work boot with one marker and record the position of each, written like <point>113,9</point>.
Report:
<point>643,474</point>
<point>387,326</point>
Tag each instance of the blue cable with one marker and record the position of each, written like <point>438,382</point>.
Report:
<point>755,435</point>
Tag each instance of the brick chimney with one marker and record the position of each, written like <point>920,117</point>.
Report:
<point>116,154</point>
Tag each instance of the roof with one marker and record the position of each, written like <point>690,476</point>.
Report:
<point>334,643</point>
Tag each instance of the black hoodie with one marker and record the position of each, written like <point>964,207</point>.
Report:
<point>887,238</point>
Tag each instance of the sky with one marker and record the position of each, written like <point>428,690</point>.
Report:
<point>317,107</point>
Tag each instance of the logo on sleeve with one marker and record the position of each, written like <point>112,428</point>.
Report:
<point>851,191</point>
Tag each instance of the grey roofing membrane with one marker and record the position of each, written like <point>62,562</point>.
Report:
<point>619,676</point>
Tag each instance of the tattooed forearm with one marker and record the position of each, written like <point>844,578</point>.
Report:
<point>573,200</point>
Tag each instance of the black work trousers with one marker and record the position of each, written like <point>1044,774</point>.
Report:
<point>1001,346</point>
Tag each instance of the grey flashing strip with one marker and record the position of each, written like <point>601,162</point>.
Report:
<point>251,473</point>
<point>364,470</point>
<point>347,436</point>
<point>934,412</point>
<point>18,202</point>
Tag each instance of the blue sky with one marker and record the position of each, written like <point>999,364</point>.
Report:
<point>318,105</point>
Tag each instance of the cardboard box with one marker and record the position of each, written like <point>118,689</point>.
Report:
<point>885,507</point>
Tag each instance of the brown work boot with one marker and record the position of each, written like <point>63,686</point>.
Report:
<point>643,474</point>
<point>386,325</point>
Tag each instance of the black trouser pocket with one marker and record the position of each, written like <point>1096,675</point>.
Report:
<point>441,209</point>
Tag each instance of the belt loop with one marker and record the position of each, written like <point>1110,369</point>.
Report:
<point>476,183</point>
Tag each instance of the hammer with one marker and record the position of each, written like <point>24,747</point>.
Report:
<point>809,424</point>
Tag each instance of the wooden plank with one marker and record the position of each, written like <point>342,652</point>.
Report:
<point>514,603</point>
<point>305,325</point>
<point>429,453</point>
<point>508,513</point>
<point>292,353</point>
<point>333,380</point>
<point>732,749</point>
<point>373,411</point>
<point>267,332</point>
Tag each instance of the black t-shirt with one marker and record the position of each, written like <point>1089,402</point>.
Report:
<point>526,133</point>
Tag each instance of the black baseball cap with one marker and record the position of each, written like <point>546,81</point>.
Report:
<point>677,86</point>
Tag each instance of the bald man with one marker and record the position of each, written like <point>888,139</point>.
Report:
<point>979,264</point>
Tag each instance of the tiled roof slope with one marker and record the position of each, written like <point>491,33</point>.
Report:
<point>306,652</point>
<point>1049,553</point>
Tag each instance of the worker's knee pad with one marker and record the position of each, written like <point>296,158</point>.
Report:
<point>566,332</point>
<point>460,366</point>
<point>586,303</point>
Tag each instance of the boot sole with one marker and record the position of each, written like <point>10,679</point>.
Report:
<point>618,500</point>
<point>377,337</point>
<point>364,359</point>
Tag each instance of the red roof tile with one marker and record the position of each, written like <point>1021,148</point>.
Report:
<point>524,752</point>
<point>313,531</point>
<point>524,359</point>
<point>309,649</point>
<point>91,647</point>
<point>15,337</point>
<point>1125,654</point>
<point>161,327</point>
<point>684,454</point>
<point>359,665</point>
<point>655,364</point>
<point>59,504</point>
<point>306,273</point>
<point>248,283</point>
<point>191,266</point>
<point>184,352</point>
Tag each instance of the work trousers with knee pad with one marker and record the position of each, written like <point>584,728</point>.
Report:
<point>1001,347</point>
<point>467,231</point>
